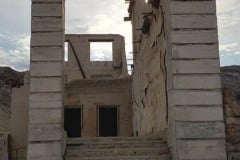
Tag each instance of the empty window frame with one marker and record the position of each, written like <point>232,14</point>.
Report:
<point>101,51</point>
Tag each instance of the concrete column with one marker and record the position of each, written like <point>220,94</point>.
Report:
<point>197,128</point>
<point>46,81</point>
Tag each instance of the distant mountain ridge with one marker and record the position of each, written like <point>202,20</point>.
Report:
<point>231,78</point>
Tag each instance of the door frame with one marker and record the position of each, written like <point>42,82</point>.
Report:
<point>75,107</point>
<point>98,121</point>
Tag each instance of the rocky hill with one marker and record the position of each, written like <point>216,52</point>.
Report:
<point>9,79</point>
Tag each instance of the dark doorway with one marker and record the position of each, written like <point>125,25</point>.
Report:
<point>108,125</point>
<point>72,122</point>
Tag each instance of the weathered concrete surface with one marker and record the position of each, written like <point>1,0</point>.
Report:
<point>149,74</point>
<point>45,139</point>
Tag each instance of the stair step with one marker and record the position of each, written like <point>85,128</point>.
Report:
<point>116,151</point>
<point>116,145</point>
<point>160,157</point>
<point>117,148</point>
<point>112,139</point>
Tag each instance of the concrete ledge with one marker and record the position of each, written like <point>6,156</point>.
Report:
<point>47,1</point>
<point>41,69</point>
<point>45,132</point>
<point>49,84</point>
<point>47,10</point>
<point>196,66</point>
<point>193,7</point>
<point>45,158</point>
<point>194,21</point>
<point>46,100</point>
<point>46,116</point>
<point>193,113</point>
<point>194,37</point>
<point>53,39</point>
<point>42,150</point>
<point>46,54</point>
<point>197,82</point>
<point>200,130</point>
<point>197,98</point>
<point>195,51</point>
<point>201,149</point>
<point>47,24</point>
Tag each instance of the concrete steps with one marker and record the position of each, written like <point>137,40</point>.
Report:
<point>117,148</point>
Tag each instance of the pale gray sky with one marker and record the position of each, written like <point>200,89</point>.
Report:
<point>100,16</point>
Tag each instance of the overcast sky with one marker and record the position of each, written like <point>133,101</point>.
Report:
<point>100,16</point>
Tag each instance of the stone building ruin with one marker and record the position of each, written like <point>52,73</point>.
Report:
<point>169,108</point>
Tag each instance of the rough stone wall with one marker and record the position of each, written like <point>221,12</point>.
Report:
<point>232,122</point>
<point>90,94</point>
<point>18,125</point>
<point>79,57</point>
<point>149,74</point>
<point>9,78</point>
<point>46,81</point>
<point>231,95</point>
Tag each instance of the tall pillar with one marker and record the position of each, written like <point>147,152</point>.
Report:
<point>46,81</point>
<point>195,99</point>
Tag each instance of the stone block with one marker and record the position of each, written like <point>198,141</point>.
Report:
<point>47,10</point>
<point>46,100</point>
<point>46,116</point>
<point>196,82</point>
<point>46,54</point>
<point>45,132</point>
<point>42,150</point>
<point>194,21</point>
<point>201,149</point>
<point>47,24</point>
<point>197,98</point>
<point>200,130</point>
<point>42,69</point>
<point>49,84</point>
<point>199,113</point>
<point>196,66</point>
<point>49,39</point>
<point>195,37</point>
<point>193,7</point>
<point>195,51</point>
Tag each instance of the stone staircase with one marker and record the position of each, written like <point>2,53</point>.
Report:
<point>117,148</point>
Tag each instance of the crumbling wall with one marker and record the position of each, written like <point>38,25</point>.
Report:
<point>79,65</point>
<point>149,74</point>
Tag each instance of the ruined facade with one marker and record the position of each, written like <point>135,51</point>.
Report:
<point>174,92</point>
